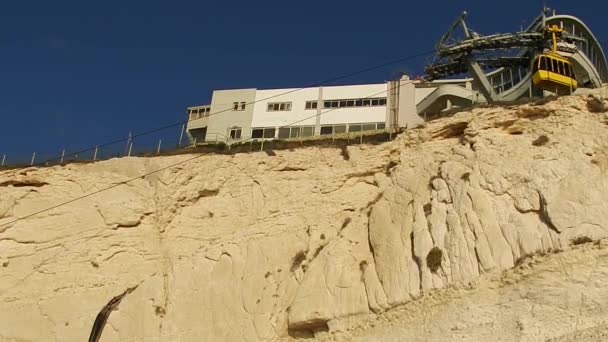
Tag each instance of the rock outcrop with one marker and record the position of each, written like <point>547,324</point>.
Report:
<point>313,242</point>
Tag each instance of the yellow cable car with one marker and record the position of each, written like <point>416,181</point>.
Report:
<point>554,72</point>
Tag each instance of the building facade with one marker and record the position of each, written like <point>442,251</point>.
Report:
<point>241,114</point>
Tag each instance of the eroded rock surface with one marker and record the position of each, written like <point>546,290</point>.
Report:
<point>305,243</point>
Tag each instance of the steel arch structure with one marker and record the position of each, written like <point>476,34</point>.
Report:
<point>510,78</point>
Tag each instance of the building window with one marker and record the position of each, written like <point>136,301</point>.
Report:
<point>368,127</point>
<point>349,103</point>
<point>326,130</point>
<point>311,105</point>
<point>354,128</point>
<point>257,133</point>
<point>339,129</point>
<point>269,133</point>
<point>284,132</point>
<point>243,104</point>
<point>198,113</point>
<point>266,133</point>
<point>334,129</point>
<point>235,133</point>
<point>235,106</point>
<point>295,132</point>
<point>279,107</point>
<point>307,131</point>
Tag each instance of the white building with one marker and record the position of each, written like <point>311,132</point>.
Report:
<point>292,113</point>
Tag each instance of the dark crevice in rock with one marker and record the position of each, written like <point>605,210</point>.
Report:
<point>291,168</point>
<point>362,174</point>
<point>534,113</point>
<point>455,130</point>
<point>388,169</point>
<point>104,314</point>
<point>374,201</point>
<point>430,186</point>
<point>307,330</point>
<point>344,152</point>
<point>208,193</point>
<point>541,141</point>
<point>23,183</point>
<point>317,251</point>
<point>544,216</point>
<point>596,104</point>
<point>346,222</point>
<point>416,259</point>
<point>297,260</point>
<point>369,241</point>
<point>434,258</point>
<point>428,210</point>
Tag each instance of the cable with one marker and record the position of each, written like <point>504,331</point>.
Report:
<point>162,128</point>
<point>172,165</point>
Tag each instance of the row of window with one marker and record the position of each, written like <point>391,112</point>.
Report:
<point>239,105</point>
<point>305,131</point>
<point>381,101</point>
<point>554,65</point>
<point>286,106</point>
<point>311,105</point>
<point>279,107</point>
<point>372,102</point>
<point>259,133</point>
<point>199,113</point>
<point>337,129</point>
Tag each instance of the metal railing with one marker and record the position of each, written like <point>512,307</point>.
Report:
<point>167,145</point>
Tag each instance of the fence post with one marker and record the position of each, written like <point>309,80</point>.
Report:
<point>181,136</point>
<point>361,138</point>
<point>62,156</point>
<point>128,142</point>
<point>3,159</point>
<point>95,153</point>
<point>194,143</point>
<point>33,158</point>
<point>262,146</point>
<point>158,148</point>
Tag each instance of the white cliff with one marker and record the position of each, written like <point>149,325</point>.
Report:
<point>416,238</point>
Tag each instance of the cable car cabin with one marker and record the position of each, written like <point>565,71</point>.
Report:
<point>554,73</point>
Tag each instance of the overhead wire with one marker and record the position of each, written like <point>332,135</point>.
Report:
<point>183,122</point>
<point>179,163</point>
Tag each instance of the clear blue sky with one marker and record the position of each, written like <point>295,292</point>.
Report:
<point>77,73</point>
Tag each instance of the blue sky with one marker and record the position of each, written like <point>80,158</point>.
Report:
<point>79,73</point>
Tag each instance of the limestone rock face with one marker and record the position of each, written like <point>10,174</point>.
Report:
<point>306,243</point>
